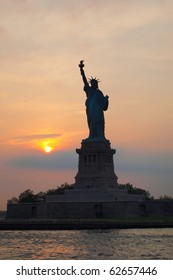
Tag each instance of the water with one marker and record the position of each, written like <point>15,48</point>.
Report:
<point>87,244</point>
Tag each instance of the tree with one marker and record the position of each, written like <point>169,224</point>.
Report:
<point>40,197</point>
<point>27,196</point>
<point>13,200</point>
<point>165,197</point>
<point>133,190</point>
<point>60,189</point>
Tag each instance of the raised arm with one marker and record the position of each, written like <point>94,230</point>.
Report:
<point>81,66</point>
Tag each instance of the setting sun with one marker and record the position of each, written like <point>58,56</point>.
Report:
<point>48,149</point>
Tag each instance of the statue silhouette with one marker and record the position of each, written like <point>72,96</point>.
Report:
<point>95,103</point>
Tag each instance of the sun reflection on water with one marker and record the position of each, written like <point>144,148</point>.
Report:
<point>87,244</point>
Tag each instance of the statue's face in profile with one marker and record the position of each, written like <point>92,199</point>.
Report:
<point>94,84</point>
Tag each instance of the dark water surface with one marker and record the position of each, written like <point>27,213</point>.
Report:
<point>87,244</point>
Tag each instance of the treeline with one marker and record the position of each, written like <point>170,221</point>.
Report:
<point>29,196</point>
<point>133,190</point>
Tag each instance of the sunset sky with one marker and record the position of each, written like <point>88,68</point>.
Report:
<point>128,45</point>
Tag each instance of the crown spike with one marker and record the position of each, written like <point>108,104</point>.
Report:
<point>93,79</point>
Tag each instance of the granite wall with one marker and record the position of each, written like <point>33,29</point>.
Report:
<point>62,210</point>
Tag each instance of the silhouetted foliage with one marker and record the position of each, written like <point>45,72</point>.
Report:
<point>59,189</point>
<point>40,197</point>
<point>13,200</point>
<point>134,190</point>
<point>165,197</point>
<point>28,195</point>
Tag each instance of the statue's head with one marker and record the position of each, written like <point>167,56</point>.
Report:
<point>94,82</point>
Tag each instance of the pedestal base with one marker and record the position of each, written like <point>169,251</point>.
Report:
<point>96,181</point>
<point>96,167</point>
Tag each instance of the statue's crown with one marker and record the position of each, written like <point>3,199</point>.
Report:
<point>93,80</point>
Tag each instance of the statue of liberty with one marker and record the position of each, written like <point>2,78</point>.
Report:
<point>95,103</point>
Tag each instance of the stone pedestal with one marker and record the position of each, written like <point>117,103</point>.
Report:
<point>96,180</point>
<point>96,166</point>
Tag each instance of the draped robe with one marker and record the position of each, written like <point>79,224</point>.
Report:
<point>95,103</point>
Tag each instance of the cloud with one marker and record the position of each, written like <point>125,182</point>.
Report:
<point>145,162</point>
<point>124,161</point>
<point>61,160</point>
<point>32,137</point>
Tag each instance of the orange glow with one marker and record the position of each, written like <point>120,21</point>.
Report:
<point>48,149</point>
<point>54,144</point>
<point>48,145</point>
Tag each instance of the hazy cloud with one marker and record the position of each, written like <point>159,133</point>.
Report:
<point>27,138</point>
<point>61,160</point>
<point>125,160</point>
<point>144,162</point>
